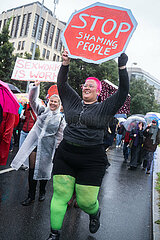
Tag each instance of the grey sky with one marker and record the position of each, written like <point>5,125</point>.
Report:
<point>144,46</point>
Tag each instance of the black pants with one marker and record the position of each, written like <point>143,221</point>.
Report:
<point>33,184</point>
<point>135,156</point>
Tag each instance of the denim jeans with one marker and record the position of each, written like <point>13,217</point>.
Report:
<point>118,139</point>
<point>126,151</point>
<point>23,136</point>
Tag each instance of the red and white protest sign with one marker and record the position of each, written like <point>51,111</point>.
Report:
<point>98,32</point>
<point>31,70</point>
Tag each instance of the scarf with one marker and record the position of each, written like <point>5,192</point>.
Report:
<point>153,130</point>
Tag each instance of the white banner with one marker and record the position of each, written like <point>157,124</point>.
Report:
<point>31,70</point>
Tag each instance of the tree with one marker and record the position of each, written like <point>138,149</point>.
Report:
<point>37,54</point>
<point>142,97</point>
<point>80,70</point>
<point>6,54</point>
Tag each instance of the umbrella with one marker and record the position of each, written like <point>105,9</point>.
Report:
<point>13,88</point>
<point>120,115</point>
<point>121,120</point>
<point>152,115</point>
<point>22,97</point>
<point>139,115</point>
<point>8,101</point>
<point>132,122</point>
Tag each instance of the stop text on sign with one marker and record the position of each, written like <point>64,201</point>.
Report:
<point>96,18</point>
<point>98,33</point>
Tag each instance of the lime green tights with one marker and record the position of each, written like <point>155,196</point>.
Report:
<point>63,188</point>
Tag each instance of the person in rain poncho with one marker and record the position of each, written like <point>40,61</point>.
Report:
<point>40,143</point>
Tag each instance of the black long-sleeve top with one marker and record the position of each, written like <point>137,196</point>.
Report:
<point>86,122</point>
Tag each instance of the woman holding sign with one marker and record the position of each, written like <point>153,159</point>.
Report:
<point>80,159</point>
<point>40,143</point>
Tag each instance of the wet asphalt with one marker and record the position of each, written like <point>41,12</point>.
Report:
<point>125,201</point>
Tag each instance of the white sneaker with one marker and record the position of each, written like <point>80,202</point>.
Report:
<point>24,167</point>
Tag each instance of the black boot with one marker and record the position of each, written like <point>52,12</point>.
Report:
<point>42,190</point>
<point>28,201</point>
<point>32,184</point>
<point>32,189</point>
<point>94,222</point>
<point>54,235</point>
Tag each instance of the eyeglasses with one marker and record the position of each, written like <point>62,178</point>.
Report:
<point>87,85</point>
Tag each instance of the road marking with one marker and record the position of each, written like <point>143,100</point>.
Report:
<point>6,170</point>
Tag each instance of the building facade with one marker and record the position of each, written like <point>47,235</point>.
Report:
<point>23,29</point>
<point>138,73</point>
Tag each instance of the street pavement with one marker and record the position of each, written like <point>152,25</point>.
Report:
<point>125,201</point>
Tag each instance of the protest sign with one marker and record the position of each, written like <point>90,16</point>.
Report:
<point>99,32</point>
<point>31,70</point>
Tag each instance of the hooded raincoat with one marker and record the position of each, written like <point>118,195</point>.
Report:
<point>45,135</point>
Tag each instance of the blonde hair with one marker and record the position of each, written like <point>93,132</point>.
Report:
<point>55,95</point>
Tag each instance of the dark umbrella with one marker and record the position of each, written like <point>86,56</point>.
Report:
<point>13,88</point>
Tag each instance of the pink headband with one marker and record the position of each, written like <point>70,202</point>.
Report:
<point>99,85</point>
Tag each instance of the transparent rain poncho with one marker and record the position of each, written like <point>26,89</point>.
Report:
<point>44,134</point>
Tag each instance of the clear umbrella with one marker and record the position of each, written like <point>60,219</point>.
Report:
<point>152,115</point>
<point>132,122</point>
<point>121,120</point>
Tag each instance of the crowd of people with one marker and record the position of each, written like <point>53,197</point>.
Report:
<point>139,144</point>
<point>70,143</point>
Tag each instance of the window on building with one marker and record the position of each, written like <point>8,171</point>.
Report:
<point>32,45</point>
<point>46,33</point>
<point>60,46</point>
<point>44,53</point>
<point>48,53</point>
<point>51,35</point>
<point>54,57</point>
<point>22,47</point>
<point>13,44</point>
<point>28,24</point>
<point>23,24</point>
<point>13,26</point>
<point>57,38</point>
<point>19,45</point>
<point>0,24</point>
<point>40,29</point>
<point>57,58</point>
<point>4,23</point>
<point>35,24</point>
<point>17,26</point>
